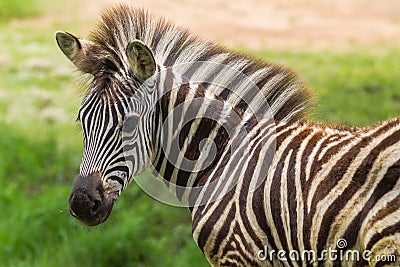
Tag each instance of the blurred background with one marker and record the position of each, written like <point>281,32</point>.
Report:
<point>347,50</point>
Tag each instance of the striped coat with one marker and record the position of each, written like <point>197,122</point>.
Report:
<point>278,191</point>
<point>325,184</point>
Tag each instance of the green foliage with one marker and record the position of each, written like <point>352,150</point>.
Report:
<point>10,9</point>
<point>357,87</point>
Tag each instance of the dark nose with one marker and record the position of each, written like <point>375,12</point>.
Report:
<point>83,204</point>
<point>88,201</point>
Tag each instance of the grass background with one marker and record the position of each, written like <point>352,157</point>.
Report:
<point>41,146</point>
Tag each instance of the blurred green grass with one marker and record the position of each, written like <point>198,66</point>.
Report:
<point>17,9</point>
<point>41,146</point>
<point>358,86</point>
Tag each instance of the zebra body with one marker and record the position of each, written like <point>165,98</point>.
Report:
<point>272,181</point>
<point>324,184</point>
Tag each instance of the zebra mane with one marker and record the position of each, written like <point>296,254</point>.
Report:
<point>287,96</point>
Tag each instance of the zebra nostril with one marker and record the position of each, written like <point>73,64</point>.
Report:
<point>95,207</point>
<point>84,206</point>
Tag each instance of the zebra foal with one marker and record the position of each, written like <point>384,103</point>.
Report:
<point>226,134</point>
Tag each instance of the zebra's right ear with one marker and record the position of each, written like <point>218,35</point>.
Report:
<point>141,60</point>
<point>76,50</point>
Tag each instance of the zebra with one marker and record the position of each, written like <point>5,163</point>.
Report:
<point>280,191</point>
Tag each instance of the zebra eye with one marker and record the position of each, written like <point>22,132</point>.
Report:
<point>130,123</point>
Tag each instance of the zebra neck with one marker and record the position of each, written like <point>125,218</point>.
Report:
<point>194,131</point>
<point>198,135</point>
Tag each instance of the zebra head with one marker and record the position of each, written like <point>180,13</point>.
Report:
<point>116,117</point>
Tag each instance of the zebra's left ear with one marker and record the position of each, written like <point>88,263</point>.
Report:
<point>77,50</point>
<point>141,60</point>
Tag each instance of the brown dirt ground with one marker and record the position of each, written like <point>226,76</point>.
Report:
<point>276,24</point>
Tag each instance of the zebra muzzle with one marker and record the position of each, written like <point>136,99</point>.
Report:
<point>88,201</point>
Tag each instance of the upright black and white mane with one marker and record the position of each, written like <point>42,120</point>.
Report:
<point>286,95</point>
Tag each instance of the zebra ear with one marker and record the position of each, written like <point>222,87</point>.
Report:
<point>141,60</point>
<point>75,49</point>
